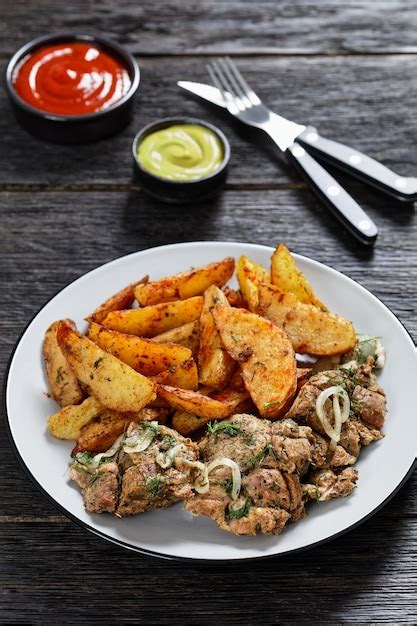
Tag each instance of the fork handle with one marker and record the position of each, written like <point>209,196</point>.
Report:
<point>336,198</point>
<point>360,165</point>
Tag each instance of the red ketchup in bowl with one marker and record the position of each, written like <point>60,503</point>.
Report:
<point>73,78</point>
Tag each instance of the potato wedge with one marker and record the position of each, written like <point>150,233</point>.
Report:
<point>186,284</point>
<point>100,435</point>
<point>249,275</point>
<point>234,297</point>
<point>184,375</point>
<point>193,402</point>
<point>143,355</point>
<point>113,383</point>
<point>266,357</point>
<point>155,319</point>
<point>215,365</point>
<point>68,422</point>
<point>310,330</point>
<point>64,386</point>
<point>123,299</point>
<point>238,401</point>
<point>286,276</point>
<point>186,335</point>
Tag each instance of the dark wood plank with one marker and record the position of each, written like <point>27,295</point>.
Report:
<point>218,26</point>
<point>366,576</point>
<point>367,102</point>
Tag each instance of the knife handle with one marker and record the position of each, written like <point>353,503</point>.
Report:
<point>359,165</point>
<point>336,198</point>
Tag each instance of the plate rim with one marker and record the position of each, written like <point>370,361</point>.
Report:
<point>151,553</point>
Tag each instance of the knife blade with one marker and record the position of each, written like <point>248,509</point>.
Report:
<point>207,92</point>
<point>356,163</point>
<point>286,132</point>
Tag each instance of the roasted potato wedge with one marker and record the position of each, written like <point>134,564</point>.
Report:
<point>64,386</point>
<point>143,355</point>
<point>113,383</point>
<point>249,275</point>
<point>186,284</point>
<point>123,299</point>
<point>234,297</point>
<point>215,366</point>
<point>187,335</point>
<point>192,402</point>
<point>100,434</point>
<point>310,330</point>
<point>286,276</point>
<point>238,402</point>
<point>68,422</point>
<point>155,319</point>
<point>184,375</point>
<point>265,355</point>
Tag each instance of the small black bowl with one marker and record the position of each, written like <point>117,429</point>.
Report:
<point>177,192</point>
<point>73,129</point>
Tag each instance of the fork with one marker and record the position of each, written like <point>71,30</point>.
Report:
<point>244,104</point>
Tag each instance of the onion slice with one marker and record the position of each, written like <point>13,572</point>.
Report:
<point>140,439</point>
<point>340,415</point>
<point>109,453</point>
<point>201,483</point>
<point>236,476</point>
<point>165,460</point>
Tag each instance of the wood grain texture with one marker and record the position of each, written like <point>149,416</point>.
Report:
<point>69,575</point>
<point>365,102</point>
<point>66,210</point>
<point>219,26</point>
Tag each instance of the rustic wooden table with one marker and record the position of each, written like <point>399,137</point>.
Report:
<point>350,69</point>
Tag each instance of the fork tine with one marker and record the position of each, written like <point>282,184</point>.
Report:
<point>248,91</point>
<point>217,76</point>
<point>238,89</point>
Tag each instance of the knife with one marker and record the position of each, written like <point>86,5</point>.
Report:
<point>347,159</point>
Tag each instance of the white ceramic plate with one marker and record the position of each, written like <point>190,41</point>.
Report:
<point>173,533</point>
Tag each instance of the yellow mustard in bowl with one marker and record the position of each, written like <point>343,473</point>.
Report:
<point>183,152</point>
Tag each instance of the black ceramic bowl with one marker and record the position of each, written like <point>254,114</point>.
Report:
<point>74,128</point>
<point>180,191</point>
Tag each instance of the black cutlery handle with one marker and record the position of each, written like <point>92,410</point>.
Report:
<point>360,165</point>
<point>336,198</point>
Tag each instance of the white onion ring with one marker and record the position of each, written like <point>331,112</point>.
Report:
<point>340,415</point>
<point>236,476</point>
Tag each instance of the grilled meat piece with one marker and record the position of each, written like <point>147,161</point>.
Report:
<point>134,482</point>
<point>100,489</point>
<point>325,484</point>
<point>368,408</point>
<point>270,458</point>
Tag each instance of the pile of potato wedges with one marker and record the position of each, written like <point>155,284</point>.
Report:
<point>187,349</point>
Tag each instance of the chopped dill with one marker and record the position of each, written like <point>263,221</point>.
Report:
<point>228,428</point>
<point>151,427</point>
<point>60,375</point>
<point>256,459</point>
<point>227,484</point>
<point>155,484</point>
<point>239,513</point>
